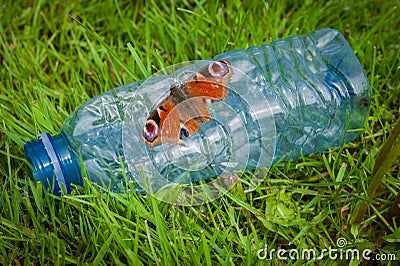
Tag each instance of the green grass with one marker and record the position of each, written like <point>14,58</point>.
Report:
<point>50,65</point>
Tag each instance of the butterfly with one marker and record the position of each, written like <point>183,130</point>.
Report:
<point>179,115</point>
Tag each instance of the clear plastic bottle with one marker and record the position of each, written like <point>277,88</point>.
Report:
<point>291,97</point>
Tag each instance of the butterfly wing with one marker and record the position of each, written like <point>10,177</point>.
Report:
<point>162,124</point>
<point>179,115</point>
<point>210,82</point>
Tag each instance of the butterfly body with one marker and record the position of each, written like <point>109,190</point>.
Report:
<point>178,115</point>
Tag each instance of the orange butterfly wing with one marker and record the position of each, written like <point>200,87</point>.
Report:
<point>180,113</point>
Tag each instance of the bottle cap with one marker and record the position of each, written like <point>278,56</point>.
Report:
<point>54,163</point>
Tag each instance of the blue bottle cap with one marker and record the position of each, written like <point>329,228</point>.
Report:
<point>54,163</point>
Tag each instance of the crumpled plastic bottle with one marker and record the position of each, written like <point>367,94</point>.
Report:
<point>291,97</point>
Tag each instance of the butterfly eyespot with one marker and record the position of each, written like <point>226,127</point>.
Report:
<point>150,131</point>
<point>183,134</point>
<point>218,68</point>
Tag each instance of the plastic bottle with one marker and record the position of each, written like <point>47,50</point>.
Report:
<point>291,97</point>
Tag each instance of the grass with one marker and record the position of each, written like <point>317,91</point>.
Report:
<point>50,66</point>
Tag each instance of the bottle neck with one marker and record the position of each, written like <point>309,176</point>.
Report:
<point>54,164</point>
